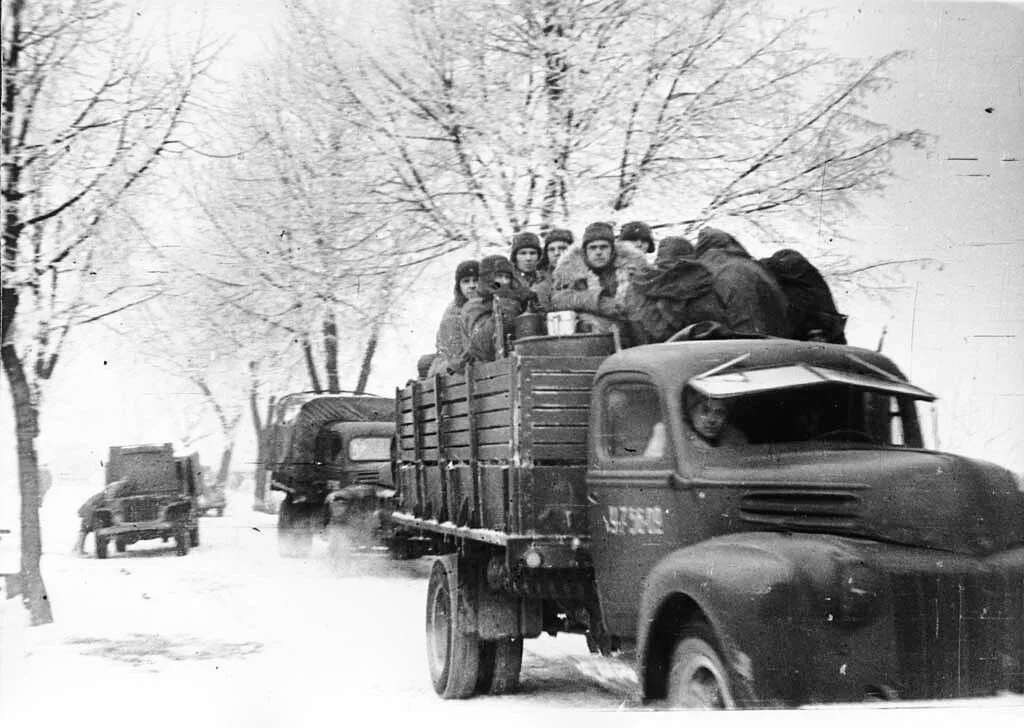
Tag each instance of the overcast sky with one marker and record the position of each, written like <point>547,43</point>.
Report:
<point>955,324</point>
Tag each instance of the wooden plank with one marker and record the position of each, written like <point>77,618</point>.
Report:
<point>560,363</point>
<point>484,452</point>
<point>491,386</point>
<point>576,452</point>
<point>561,380</point>
<point>554,399</point>
<point>559,417</point>
<point>555,435</point>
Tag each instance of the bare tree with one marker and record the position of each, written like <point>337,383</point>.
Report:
<point>87,115</point>
<point>524,112</point>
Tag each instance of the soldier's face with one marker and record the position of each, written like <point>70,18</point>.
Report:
<point>709,417</point>
<point>599,254</point>
<point>527,259</point>
<point>555,251</point>
<point>467,286</point>
<point>502,279</point>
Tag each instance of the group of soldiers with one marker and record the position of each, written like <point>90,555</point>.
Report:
<point>646,293</point>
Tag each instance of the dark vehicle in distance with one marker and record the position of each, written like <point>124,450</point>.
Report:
<point>212,497</point>
<point>824,555</point>
<point>325,453</point>
<point>150,493</point>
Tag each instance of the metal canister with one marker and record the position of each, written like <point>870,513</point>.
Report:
<point>528,324</point>
<point>561,323</point>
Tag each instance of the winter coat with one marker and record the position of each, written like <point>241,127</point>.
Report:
<point>667,299</point>
<point>576,287</point>
<point>449,341</point>
<point>539,282</point>
<point>812,310</point>
<point>477,325</point>
<point>754,303</point>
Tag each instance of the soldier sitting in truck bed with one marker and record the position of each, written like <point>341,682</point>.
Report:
<point>478,327</point>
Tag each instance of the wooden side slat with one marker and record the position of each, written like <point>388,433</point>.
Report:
<point>555,399</point>
<point>556,417</point>
<point>552,435</point>
<point>561,380</point>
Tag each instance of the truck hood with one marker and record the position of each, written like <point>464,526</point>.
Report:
<point>912,497</point>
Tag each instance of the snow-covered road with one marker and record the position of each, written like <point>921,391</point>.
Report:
<point>247,638</point>
<point>234,635</point>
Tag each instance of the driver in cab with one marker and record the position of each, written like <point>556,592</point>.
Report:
<point>709,423</point>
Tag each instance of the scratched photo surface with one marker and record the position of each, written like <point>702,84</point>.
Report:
<point>213,204</point>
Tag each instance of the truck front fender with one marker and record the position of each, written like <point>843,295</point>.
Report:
<point>758,593</point>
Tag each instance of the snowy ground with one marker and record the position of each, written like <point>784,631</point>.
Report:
<point>233,635</point>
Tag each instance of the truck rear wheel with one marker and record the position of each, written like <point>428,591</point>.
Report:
<point>452,654</point>
<point>181,541</point>
<point>698,678</point>
<point>500,664</point>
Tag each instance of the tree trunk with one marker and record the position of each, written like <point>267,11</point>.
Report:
<point>367,364</point>
<point>262,430</point>
<point>307,351</point>
<point>26,424</point>
<point>225,463</point>
<point>331,352</point>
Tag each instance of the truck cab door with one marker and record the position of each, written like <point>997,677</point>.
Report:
<point>628,492</point>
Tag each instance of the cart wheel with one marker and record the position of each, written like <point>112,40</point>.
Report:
<point>452,655</point>
<point>101,546</point>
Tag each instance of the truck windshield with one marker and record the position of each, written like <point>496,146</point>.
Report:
<point>832,413</point>
<point>369,448</point>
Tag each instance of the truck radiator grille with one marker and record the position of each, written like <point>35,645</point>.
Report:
<point>140,510</point>
<point>959,635</point>
<point>364,477</point>
<point>800,509</point>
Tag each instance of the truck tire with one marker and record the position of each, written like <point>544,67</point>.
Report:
<point>698,678</point>
<point>181,541</point>
<point>500,664</point>
<point>120,545</point>
<point>452,654</point>
<point>101,546</point>
<point>294,530</point>
<point>193,536</point>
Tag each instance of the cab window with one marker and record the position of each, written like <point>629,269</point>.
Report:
<point>632,425</point>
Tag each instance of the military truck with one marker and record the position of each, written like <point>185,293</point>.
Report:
<point>325,452</point>
<point>150,493</point>
<point>823,555</point>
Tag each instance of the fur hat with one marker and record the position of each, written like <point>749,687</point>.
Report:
<point>639,232</point>
<point>494,264</point>
<point>465,269</point>
<point>556,234</point>
<point>673,248</point>
<point>598,231</point>
<point>522,241</point>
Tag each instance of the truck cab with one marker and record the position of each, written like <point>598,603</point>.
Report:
<point>797,554</point>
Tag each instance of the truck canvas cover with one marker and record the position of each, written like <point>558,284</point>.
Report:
<point>294,437</point>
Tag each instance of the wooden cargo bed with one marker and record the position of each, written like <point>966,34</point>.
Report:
<point>501,448</point>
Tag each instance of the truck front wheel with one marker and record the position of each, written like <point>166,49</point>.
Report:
<point>698,678</point>
<point>294,529</point>
<point>453,655</point>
